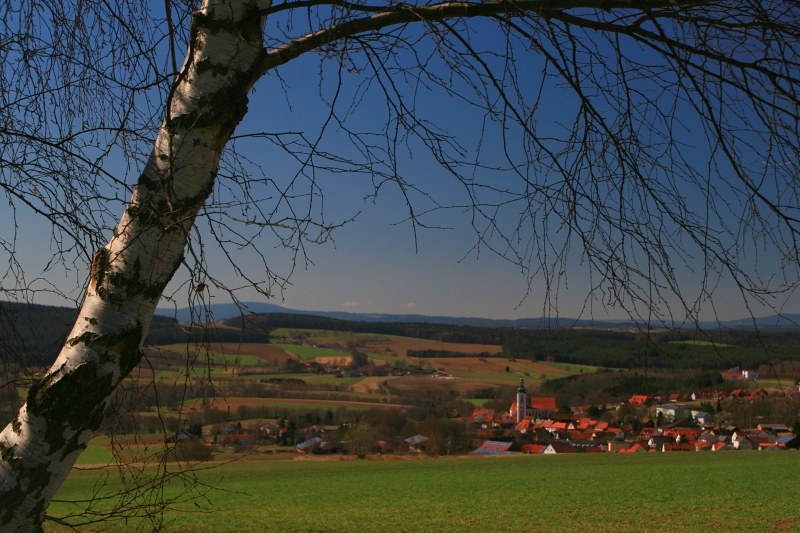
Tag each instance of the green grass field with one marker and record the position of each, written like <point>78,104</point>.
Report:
<point>702,343</point>
<point>570,367</point>
<point>652,493</point>
<point>478,402</point>
<point>309,352</point>
<point>95,455</point>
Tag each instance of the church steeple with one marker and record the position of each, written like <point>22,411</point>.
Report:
<point>522,404</point>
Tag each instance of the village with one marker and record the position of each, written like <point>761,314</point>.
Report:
<point>679,425</point>
<point>536,425</point>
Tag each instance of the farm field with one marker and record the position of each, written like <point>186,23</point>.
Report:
<point>298,403</point>
<point>329,347</point>
<point>311,353</point>
<point>228,352</point>
<point>689,492</point>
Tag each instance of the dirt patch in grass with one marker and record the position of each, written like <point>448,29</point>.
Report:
<point>335,361</point>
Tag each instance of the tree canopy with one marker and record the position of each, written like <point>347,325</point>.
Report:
<point>652,142</point>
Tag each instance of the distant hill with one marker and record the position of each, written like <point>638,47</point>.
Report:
<point>220,312</point>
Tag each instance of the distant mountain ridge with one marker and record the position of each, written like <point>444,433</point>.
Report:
<point>786,322</point>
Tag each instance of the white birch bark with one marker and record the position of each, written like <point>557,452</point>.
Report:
<point>65,408</point>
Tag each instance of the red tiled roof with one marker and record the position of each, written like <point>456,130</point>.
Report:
<point>533,448</point>
<point>543,404</point>
<point>668,447</point>
<point>562,447</point>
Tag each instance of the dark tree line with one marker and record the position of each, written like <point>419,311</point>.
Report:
<point>440,332</point>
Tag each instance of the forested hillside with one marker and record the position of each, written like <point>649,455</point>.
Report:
<point>419,330</point>
<point>36,333</point>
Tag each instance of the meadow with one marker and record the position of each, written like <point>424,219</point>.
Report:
<point>650,493</point>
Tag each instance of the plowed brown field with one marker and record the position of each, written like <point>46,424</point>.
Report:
<point>425,383</point>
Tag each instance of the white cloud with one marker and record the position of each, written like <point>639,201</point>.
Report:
<point>409,305</point>
<point>350,305</point>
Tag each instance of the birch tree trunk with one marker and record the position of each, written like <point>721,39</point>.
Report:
<point>65,408</point>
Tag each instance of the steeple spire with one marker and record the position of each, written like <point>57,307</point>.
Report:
<point>521,386</point>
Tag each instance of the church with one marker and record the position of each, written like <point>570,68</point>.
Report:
<point>533,407</point>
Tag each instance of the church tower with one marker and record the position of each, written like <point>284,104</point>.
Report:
<point>522,401</point>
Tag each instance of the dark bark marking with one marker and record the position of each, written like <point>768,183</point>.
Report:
<point>205,65</point>
<point>99,266</point>
<point>78,399</point>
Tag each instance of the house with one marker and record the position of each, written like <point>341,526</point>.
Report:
<point>309,445</point>
<point>671,412</point>
<point>703,418</point>
<point>484,417</point>
<point>619,446</point>
<point>270,430</point>
<point>242,439</point>
<point>702,446</point>
<point>789,442</point>
<point>750,375</point>
<point>559,447</point>
<point>674,398</point>
<point>677,447</point>
<point>416,443</point>
<point>639,399</point>
<point>635,448</point>
<point>702,395</point>
<point>492,447</point>
<point>533,448</point>
<point>773,428</point>
<point>720,447</point>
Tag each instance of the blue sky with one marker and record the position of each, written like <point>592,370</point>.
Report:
<point>378,263</point>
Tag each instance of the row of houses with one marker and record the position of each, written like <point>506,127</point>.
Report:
<point>743,395</point>
<point>602,439</point>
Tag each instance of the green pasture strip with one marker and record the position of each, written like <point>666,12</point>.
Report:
<point>217,357</point>
<point>703,343</point>
<point>688,492</point>
<point>478,402</point>
<point>769,384</point>
<point>237,359</point>
<point>390,359</point>
<point>311,379</point>
<point>575,369</point>
<point>95,455</point>
<point>309,352</point>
